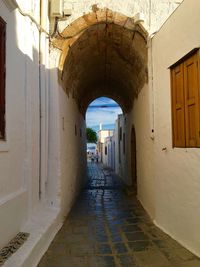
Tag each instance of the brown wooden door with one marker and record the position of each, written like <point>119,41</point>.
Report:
<point>178,106</point>
<point>191,86</point>
<point>186,101</point>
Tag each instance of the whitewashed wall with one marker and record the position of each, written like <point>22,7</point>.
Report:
<point>67,146</point>
<point>107,158</point>
<point>177,170</point>
<point>155,12</point>
<point>19,162</point>
<point>140,118</point>
<point>59,170</point>
<point>168,181</point>
<point>72,152</point>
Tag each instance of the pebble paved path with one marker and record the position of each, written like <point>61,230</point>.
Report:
<point>108,228</point>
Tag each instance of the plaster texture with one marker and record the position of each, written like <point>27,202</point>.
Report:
<point>33,170</point>
<point>154,12</point>
<point>140,119</point>
<point>19,161</point>
<point>177,170</point>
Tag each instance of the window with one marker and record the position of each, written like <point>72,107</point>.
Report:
<point>120,133</point>
<point>185,101</point>
<point>106,150</point>
<point>120,139</point>
<point>2,77</point>
<point>75,130</point>
<point>124,143</point>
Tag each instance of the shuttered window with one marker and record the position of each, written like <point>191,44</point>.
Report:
<point>2,77</point>
<point>185,101</point>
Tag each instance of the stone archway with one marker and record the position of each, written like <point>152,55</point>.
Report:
<point>103,53</point>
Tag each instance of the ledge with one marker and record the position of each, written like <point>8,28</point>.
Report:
<point>42,229</point>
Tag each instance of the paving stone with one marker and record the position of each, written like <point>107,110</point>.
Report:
<point>151,257</point>
<point>160,243</point>
<point>58,249</point>
<point>183,253</point>
<point>71,261</point>
<point>81,249</point>
<point>116,238</point>
<point>126,261</point>
<point>131,228</point>
<point>101,238</point>
<point>104,261</point>
<point>133,220</point>
<point>193,263</point>
<point>120,248</point>
<point>104,249</point>
<point>108,228</point>
<point>138,236</point>
<point>139,245</point>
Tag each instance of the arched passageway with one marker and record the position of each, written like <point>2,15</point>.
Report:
<point>103,53</point>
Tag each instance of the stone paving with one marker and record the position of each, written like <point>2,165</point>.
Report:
<point>108,228</point>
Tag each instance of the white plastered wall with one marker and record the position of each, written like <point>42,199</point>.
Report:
<point>121,162</point>
<point>67,145</point>
<point>140,119</point>
<point>177,170</point>
<point>154,12</point>
<point>73,151</point>
<point>18,160</point>
<point>21,208</point>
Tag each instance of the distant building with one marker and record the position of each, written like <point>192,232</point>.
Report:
<point>114,148</point>
<point>102,135</point>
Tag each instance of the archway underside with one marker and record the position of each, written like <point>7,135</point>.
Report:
<point>106,58</point>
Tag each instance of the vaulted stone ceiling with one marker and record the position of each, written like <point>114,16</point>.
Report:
<point>103,55</point>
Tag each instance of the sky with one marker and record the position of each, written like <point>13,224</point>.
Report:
<point>102,110</point>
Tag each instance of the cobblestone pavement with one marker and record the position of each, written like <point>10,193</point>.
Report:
<point>108,228</point>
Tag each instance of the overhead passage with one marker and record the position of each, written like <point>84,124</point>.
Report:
<point>104,54</point>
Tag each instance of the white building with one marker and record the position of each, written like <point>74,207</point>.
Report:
<point>102,148</point>
<point>115,150</point>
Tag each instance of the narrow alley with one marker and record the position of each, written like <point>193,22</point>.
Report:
<point>108,227</point>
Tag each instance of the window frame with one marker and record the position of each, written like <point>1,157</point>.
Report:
<point>182,63</point>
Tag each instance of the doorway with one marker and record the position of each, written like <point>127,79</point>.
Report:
<point>133,159</point>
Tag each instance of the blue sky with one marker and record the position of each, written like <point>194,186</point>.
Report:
<point>102,110</point>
